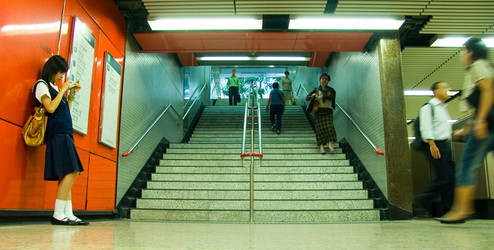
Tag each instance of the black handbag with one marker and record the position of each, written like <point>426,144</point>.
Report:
<point>313,105</point>
<point>474,99</point>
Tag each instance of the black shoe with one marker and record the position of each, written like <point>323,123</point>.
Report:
<point>65,221</point>
<point>446,221</point>
<point>273,127</point>
<point>278,132</point>
<point>81,222</point>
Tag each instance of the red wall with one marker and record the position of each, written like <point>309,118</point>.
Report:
<point>24,50</point>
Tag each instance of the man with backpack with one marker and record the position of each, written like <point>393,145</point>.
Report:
<point>435,132</point>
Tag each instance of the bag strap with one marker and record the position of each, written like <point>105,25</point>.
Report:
<point>279,95</point>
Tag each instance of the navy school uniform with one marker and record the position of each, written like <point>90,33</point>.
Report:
<point>61,156</point>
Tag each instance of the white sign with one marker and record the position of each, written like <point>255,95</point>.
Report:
<point>81,69</point>
<point>111,97</point>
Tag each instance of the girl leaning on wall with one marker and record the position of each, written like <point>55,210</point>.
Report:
<point>326,97</point>
<point>62,162</point>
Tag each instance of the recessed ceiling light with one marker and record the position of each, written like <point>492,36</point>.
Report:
<point>458,41</point>
<point>425,92</point>
<point>206,24</point>
<point>340,23</point>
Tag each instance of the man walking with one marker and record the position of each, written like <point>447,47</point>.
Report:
<point>233,86</point>
<point>436,133</point>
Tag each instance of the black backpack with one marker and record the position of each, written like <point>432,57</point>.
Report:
<point>418,143</point>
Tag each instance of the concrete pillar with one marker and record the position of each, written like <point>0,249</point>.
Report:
<point>399,174</point>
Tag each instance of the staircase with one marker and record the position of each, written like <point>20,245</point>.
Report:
<point>205,179</point>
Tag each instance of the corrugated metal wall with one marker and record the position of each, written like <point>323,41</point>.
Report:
<point>151,82</point>
<point>356,78</point>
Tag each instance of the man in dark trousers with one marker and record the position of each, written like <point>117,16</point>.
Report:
<point>436,133</point>
<point>276,106</point>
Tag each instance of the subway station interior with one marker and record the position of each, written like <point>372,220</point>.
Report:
<point>169,163</point>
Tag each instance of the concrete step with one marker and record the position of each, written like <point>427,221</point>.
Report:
<point>257,169</point>
<point>239,133</point>
<point>259,195</point>
<point>194,204</point>
<point>265,134</point>
<point>313,205</point>
<point>209,185</point>
<point>257,177</point>
<point>186,185</point>
<point>238,145</point>
<point>328,216</point>
<point>310,185</point>
<point>264,140</point>
<point>190,215</point>
<point>236,156</point>
<point>195,194</point>
<point>266,152</point>
<point>265,163</point>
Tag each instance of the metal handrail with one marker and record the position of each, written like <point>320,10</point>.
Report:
<point>193,103</point>
<point>259,126</point>
<point>376,149</point>
<point>192,96</point>
<point>149,128</point>
<point>244,127</point>
<point>301,86</point>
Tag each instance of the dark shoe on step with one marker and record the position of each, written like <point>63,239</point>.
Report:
<point>81,222</point>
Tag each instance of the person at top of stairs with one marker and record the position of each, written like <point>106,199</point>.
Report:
<point>276,105</point>
<point>326,97</point>
<point>233,86</point>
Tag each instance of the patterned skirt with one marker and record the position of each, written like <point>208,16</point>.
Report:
<point>325,131</point>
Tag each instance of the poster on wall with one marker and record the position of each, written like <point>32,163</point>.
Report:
<point>110,103</point>
<point>81,69</point>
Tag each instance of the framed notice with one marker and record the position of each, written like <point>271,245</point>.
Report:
<point>110,103</point>
<point>81,69</point>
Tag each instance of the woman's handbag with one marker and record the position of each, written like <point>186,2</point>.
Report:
<point>474,99</point>
<point>34,130</point>
<point>313,105</point>
<point>292,100</point>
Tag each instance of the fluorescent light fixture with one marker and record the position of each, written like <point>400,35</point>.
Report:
<point>411,138</point>
<point>451,41</point>
<point>253,58</point>
<point>206,24</point>
<point>282,58</point>
<point>458,41</point>
<point>425,92</point>
<point>331,23</point>
<point>224,58</point>
<point>271,66</point>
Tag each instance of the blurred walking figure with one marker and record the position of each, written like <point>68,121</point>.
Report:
<point>286,87</point>
<point>326,97</point>
<point>276,106</point>
<point>478,92</point>
<point>436,133</point>
<point>233,86</point>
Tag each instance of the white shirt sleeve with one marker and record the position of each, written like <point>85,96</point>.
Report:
<point>41,90</point>
<point>426,129</point>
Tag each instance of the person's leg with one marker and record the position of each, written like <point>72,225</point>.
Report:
<point>442,181</point>
<point>272,117</point>
<point>230,96</point>
<point>279,114</point>
<point>63,195</point>
<point>472,158</point>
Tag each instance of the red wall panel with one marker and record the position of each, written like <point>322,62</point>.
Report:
<point>24,32</point>
<point>102,184</point>
<point>21,174</point>
<point>109,18</point>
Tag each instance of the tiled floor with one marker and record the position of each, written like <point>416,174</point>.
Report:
<point>126,234</point>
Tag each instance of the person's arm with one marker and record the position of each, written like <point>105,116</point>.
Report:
<point>72,93</point>
<point>52,105</point>
<point>485,105</point>
<point>269,100</point>
<point>426,130</point>
<point>310,95</point>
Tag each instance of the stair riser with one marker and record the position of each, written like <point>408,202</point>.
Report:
<point>257,185</point>
<point>257,177</point>
<point>257,169</point>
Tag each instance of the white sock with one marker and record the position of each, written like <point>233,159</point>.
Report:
<point>68,211</point>
<point>59,213</point>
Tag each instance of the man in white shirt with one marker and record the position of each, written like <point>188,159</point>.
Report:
<point>436,132</point>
